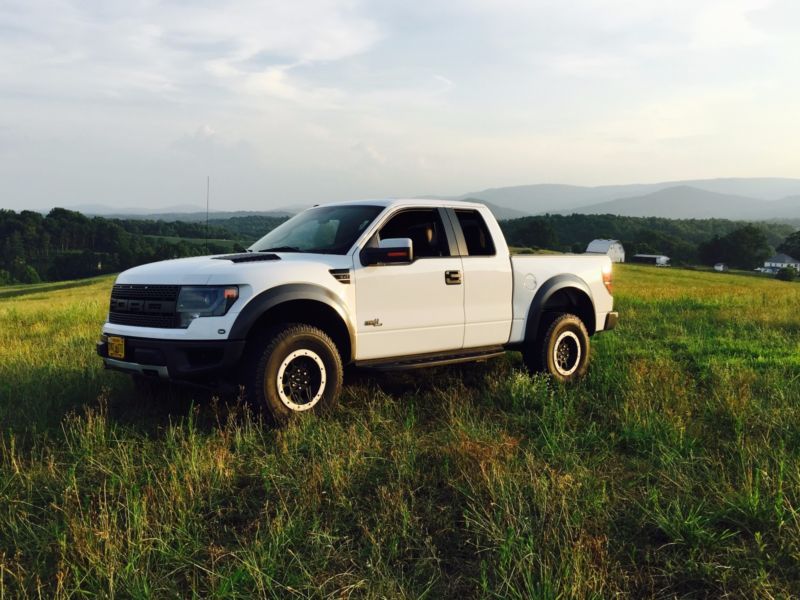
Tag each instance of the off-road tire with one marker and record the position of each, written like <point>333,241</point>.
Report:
<point>561,348</point>
<point>289,351</point>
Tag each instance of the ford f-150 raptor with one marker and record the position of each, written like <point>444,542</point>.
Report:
<point>387,284</point>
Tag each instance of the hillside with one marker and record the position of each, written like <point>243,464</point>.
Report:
<point>789,206</point>
<point>767,198</point>
<point>670,471</point>
<point>680,202</point>
<point>685,202</point>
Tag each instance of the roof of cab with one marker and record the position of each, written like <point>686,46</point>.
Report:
<point>391,202</point>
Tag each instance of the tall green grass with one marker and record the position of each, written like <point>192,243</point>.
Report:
<point>672,470</point>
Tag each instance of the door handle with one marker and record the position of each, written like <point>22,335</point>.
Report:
<point>452,277</point>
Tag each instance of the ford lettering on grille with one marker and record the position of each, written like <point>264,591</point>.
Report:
<point>144,305</point>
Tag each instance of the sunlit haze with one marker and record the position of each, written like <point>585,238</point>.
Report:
<point>133,104</point>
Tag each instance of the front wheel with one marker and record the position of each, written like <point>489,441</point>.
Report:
<point>297,370</point>
<point>561,348</point>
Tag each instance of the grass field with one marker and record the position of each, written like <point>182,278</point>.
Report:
<point>673,470</point>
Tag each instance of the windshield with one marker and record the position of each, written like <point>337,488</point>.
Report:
<point>323,230</point>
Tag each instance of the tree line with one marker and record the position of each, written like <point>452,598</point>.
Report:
<point>68,245</point>
<point>65,244</point>
<point>686,241</point>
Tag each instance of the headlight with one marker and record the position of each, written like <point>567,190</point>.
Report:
<point>205,301</point>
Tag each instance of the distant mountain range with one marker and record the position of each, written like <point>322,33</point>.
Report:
<point>195,213</point>
<point>501,213</point>
<point>685,202</point>
<point>732,198</point>
<point>749,199</point>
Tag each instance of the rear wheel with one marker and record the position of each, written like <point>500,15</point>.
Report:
<point>296,370</point>
<point>561,348</point>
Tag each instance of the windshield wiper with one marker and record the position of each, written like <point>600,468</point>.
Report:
<point>282,249</point>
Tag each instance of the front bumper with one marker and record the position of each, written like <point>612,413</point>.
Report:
<point>199,360</point>
<point>611,321</point>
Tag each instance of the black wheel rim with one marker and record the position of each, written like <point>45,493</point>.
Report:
<point>567,353</point>
<point>301,380</point>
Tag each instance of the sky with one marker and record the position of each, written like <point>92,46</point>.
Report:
<point>287,103</point>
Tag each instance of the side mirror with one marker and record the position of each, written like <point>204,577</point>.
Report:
<point>391,251</point>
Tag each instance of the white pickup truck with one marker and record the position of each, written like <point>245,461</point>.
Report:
<point>386,284</point>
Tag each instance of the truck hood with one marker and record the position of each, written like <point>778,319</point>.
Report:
<point>232,269</point>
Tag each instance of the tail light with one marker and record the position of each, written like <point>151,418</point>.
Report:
<point>608,278</point>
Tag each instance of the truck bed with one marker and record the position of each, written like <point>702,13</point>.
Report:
<point>530,271</point>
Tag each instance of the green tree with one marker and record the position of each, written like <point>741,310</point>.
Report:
<point>791,245</point>
<point>786,274</point>
<point>534,232</point>
<point>744,248</point>
<point>24,273</point>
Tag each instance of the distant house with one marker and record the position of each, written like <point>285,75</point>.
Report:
<point>611,248</point>
<point>658,260</point>
<point>779,261</point>
<point>721,267</point>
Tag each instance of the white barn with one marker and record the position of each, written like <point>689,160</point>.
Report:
<point>611,248</point>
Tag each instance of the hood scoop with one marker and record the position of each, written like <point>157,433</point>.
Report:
<point>246,257</point>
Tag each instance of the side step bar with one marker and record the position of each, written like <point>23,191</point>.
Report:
<point>431,360</point>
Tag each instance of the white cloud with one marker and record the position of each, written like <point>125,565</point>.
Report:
<point>166,49</point>
<point>320,99</point>
<point>724,24</point>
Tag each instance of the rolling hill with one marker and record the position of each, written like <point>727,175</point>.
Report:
<point>680,202</point>
<point>732,198</point>
<point>754,198</point>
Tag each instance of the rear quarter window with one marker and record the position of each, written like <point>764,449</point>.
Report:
<point>476,233</point>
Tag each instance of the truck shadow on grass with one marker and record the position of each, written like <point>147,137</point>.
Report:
<point>426,380</point>
<point>41,400</point>
<point>150,410</point>
<point>37,399</point>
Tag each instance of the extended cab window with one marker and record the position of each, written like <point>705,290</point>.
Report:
<point>423,226</point>
<point>476,234</point>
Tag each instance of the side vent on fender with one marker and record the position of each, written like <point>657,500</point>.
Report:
<point>341,275</point>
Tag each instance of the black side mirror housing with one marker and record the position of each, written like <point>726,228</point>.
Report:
<point>392,251</point>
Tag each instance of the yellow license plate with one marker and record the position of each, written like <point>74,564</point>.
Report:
<point>116,347</point>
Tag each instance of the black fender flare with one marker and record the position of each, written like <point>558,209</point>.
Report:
<point>281,294</point>
<point>544,293</point>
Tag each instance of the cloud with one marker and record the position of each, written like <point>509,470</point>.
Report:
<point>167,49</point>
<point>727,24</point>
<point>315,100</point>
<point>367,152</point>
<point>448,83</point>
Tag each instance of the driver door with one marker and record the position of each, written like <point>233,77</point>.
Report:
<point>416,308</point>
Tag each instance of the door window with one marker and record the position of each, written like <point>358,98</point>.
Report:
<point>423,227</point>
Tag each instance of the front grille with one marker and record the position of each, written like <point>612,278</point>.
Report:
<point>163,292</point>
<point>144,305</point>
